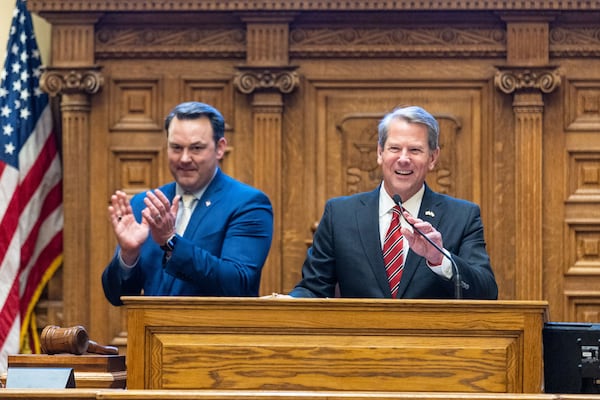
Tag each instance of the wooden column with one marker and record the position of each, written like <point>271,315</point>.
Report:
<point>267,77</point>
<point>528,76</point>
<point>73,77</point>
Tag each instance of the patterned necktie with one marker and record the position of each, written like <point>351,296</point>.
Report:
<point>393,252</point>
<point>187,201</point>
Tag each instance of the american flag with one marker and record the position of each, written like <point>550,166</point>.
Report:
<point>31,212</point>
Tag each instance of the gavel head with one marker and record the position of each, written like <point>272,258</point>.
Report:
<point>54,339</point>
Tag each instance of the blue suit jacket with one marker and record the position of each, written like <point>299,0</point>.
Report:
<point>346,250</point>
<point>221,253</point>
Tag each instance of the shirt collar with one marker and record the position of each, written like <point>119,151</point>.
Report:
<point>386,203</point>
<point>198,193</point>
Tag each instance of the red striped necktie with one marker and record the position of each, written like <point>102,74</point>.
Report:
<point>393,252</point>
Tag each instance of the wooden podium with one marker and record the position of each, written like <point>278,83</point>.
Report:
<point>334,344</point>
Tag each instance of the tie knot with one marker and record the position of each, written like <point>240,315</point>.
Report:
<point>396,211</point>
<point>188,200</point>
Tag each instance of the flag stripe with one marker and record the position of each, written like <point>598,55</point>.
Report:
<point>52,202</point>
<point>10,216</point>
<point>38,208</point>
<point>10,310</point>
<point>31,211</point>
<point>43,256</point>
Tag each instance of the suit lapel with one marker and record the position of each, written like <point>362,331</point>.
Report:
<point>367,219</point>
<point>430,211</point>
<point>211,196</point>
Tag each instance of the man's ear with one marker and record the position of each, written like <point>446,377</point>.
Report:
<point>221,147</point>
<point>435,155</point>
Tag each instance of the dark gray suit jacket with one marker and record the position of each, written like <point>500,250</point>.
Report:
<point>346,250</point>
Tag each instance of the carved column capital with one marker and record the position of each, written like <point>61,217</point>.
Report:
<point>282,79</point>
<point>69,80</point>
<point>517,79</point>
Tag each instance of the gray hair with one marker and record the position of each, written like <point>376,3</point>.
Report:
<point>413,115</point>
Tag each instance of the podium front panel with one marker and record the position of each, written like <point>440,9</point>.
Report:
<point>334,345</point>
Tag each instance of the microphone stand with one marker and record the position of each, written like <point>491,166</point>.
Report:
<point>457,282</point>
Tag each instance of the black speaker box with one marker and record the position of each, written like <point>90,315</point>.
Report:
<point>571,357</point>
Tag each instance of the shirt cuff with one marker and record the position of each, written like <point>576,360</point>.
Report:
<point>444,269</point>
<point>126,270</point>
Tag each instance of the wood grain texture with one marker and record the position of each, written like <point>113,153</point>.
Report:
<point>105,394</point>
<point>334,344</point>
<point>349,63</point>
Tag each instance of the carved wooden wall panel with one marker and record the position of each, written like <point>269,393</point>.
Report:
<point>135,170</point>
<point>578,270</point>
<point>302,85</point>
<point>134,105</point>
<point>583,306</point>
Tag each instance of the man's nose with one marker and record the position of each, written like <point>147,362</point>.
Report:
<point>185,154</point>
<point>404,155</point>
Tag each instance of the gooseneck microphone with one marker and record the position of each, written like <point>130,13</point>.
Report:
<point>457,282</point>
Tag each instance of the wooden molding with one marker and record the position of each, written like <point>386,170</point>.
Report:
<point>292,5</point>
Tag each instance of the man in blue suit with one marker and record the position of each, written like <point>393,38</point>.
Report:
<point>213,245</point>
<point>347,251</point>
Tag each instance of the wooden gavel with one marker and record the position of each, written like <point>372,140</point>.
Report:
<point>72,340</point>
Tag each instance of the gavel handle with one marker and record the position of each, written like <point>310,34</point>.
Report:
<point>96,348</point>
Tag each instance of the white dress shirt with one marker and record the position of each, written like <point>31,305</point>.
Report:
<point>412,205</point>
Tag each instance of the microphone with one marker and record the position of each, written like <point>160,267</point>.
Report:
<point>457,282</point>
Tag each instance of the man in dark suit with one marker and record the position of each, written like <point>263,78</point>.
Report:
<point>215,245</point>
<point>347,249</point>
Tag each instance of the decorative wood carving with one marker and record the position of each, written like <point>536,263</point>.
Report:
<point>73,39</point>
<point>534,50</point>
<point>266,77</point>
<point>251,79</point>
<point>267,109</point>
<point>136,170</point>
<point>585,170</point>
<point>181,42</point>
<point>527,86</point>
<point>583,305</point>
<point>291,5</point>
<point>447,41</point>
<point>56,80</point>
<point>510,80</point>
<point>583,105</point>
<point>575,40</point>
<point>134,105</point>
<point>75,109</point>
<point>528,108</point>
<point>527,46</point>
<point>266,39</point>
